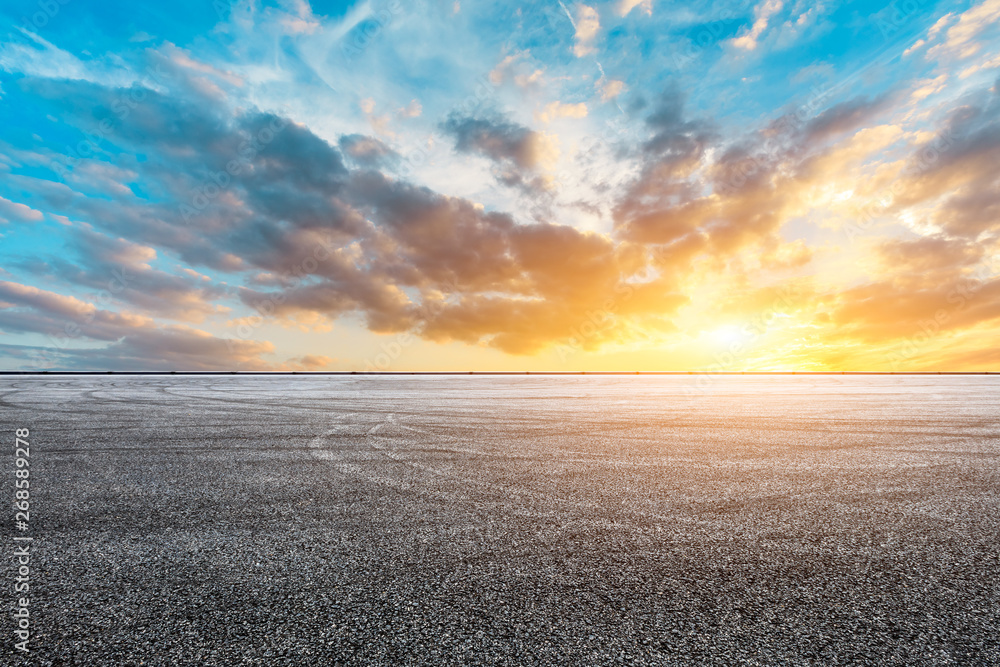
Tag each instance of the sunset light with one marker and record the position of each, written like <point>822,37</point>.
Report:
<point>334,186</point>
<point>532,332</point>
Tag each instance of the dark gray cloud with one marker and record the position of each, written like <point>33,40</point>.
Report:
<point>518,153</point>
<point>676,139</point>
<point>496,138</point>
<point>263,197</point>
<point>221,185</point>
<point>846,116</point>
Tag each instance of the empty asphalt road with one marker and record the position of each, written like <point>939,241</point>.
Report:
<point>508,520</point>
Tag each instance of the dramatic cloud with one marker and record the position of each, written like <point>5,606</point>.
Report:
<point>518,152</point>
<point>499,140</point>
<point>633,191</point>
<point>71,326</point>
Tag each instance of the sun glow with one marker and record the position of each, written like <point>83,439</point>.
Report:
<point>727,335</point>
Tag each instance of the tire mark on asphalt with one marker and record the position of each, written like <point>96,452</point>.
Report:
<point>494,490</point>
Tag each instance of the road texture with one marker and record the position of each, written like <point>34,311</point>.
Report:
<point>508,520</point>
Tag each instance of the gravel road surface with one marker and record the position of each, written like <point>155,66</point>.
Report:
<point>791,520</point>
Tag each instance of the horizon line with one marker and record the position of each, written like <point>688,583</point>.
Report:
<point>700,372</point>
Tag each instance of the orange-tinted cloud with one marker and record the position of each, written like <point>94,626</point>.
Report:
<point>130,342</point>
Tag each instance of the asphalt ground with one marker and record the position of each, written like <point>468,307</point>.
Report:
<point>507,520</point>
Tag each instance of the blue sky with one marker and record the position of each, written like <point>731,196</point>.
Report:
<point>456,185</point>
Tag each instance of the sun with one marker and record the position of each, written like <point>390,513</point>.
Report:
<point>727,335</point>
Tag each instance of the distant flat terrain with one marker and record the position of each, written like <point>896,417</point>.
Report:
<point>509,520</point>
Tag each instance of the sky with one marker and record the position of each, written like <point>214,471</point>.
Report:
<point>456,185</point>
